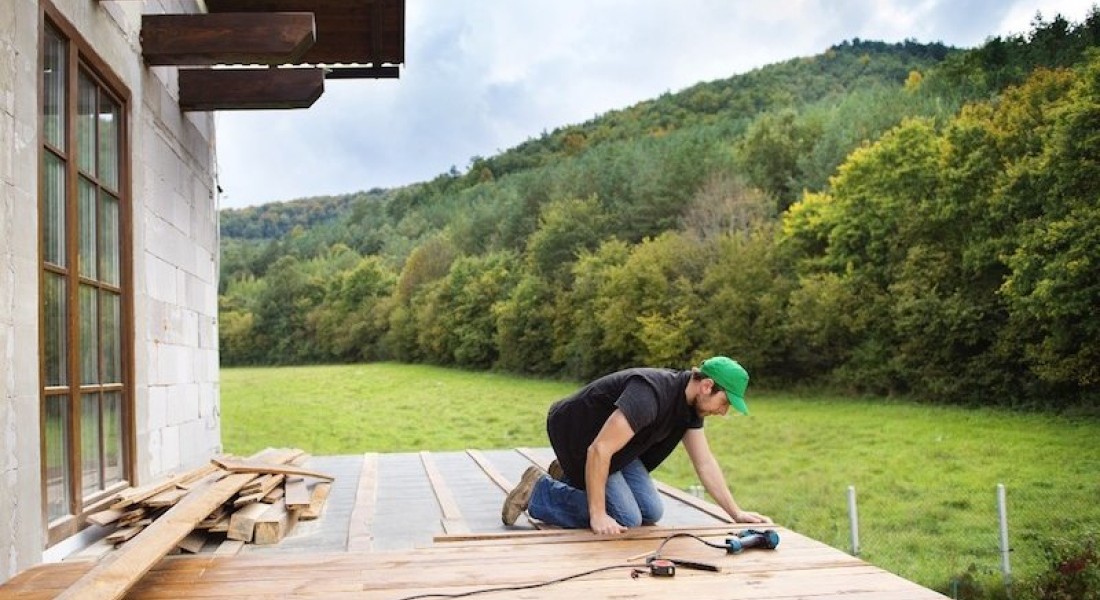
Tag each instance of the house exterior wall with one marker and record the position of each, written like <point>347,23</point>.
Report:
<point>173,216</point>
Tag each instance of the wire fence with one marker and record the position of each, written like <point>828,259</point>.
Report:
<point>1020,543</point>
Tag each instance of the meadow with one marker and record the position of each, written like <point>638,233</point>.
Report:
<point>925,476</point>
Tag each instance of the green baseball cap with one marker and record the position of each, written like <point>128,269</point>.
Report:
<point>731,377</point>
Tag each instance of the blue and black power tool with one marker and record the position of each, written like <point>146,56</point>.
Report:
<point>767,539</point>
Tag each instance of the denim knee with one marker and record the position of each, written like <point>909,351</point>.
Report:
<point>652,511</point>
<point>627,516</point>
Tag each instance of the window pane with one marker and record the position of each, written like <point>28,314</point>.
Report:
<point>109,242</point>
<point>89,443</point>
<point>57,456</point>
<point>112,438</point>
<point>108,141</point>
<point>89,339</point>
<point>55,307</point>
<point>53,223</point>
<point>87,201</point>
<point>111,318</point>
<point>85,124</point>
<point>53,92</point>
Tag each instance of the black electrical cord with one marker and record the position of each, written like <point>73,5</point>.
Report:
<point>515,588</point>
<point>657,552</point>
<point>530,586</point>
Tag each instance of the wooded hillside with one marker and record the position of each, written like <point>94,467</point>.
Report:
<point>892,218</point>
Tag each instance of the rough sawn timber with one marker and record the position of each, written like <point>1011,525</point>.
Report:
<point>111,578</point>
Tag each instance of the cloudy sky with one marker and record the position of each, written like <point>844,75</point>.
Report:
<point>481,76</point>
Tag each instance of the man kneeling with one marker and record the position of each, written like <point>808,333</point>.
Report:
<point>610,434</point>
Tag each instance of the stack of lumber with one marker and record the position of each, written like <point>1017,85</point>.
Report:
<point>275,493</point>
<point>213,497</point>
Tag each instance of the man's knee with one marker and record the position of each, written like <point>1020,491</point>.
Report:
<point>652,512</point>
<point>628,518</point>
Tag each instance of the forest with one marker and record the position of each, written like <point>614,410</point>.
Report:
<point>892,219</point>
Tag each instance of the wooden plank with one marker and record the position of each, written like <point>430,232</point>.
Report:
<point>242,523</point>
<point>362,515</point>
<point>262,467</point>
<point>221,525</point>
<point>317,500</point>
<point>131,516</point>
<point>297,494</point>
<point>274,524</point>
<point>452,517</point>
<point>212,518</point>
<point>264,485</point>
<point>104,518</point>
<point>133,496</point>
<point>125,534</point>
<point>166,498</point>
<point>229,548</point>
<point>753,575</point>
<point>249,89</point>
<point>273,496</point>
<point>226,38</point>
<point>193,542</point>
<point>494,475</point>
<point>111,579</point>
<point>535,459</point>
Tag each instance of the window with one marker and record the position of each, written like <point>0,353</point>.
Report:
<point>85,392</point>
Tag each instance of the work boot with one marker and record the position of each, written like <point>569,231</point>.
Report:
<point>516,501</point>
<point>555,471</point>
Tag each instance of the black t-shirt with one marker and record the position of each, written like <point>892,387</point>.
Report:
<point>653,402</point>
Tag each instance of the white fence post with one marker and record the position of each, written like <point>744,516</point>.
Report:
<point>853,518</point>
<point>1002,512</point>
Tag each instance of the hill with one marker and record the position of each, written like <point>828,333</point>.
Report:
<point>894,218</point>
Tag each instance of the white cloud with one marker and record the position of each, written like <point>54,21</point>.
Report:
<point>484,75</point>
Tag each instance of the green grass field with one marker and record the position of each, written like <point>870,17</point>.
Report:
<point>925,476</point>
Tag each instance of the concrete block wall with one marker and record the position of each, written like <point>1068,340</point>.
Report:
<point>21,533</point>
<point>174,261</point>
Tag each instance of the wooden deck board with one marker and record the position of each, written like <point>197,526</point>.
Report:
<point>418,523</point>
<point>800,567</point>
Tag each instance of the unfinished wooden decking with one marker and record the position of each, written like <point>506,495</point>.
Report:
<point>399,525</point>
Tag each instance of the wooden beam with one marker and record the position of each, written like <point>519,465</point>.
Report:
<point>316,501</point>
<point>227,38</point>
<point>275,524</point>
<point>379,72</point>
<point>348,31</point>
<point>452,520</point>
<point>362,516</point>
<point>249,89</point>
<point>494,475</point>
<point>234,466</point>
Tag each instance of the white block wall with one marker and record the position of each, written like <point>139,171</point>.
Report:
<point>175,261</point>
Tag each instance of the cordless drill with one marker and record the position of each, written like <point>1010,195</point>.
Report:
<point>767,539</point>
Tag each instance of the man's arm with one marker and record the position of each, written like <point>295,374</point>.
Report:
<point>616,432</point>
<point>710,473</point>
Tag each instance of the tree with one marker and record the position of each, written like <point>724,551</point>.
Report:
<point>566,228</point>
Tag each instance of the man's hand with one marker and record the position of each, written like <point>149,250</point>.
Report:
<point>744,516</point>
<point>604,524</point>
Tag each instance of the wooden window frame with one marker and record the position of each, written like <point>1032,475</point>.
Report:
<point>80,57</point>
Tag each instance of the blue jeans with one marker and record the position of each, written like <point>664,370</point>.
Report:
<point>632,500</point>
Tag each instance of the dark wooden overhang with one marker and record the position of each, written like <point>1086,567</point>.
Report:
<point>261,54</point>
